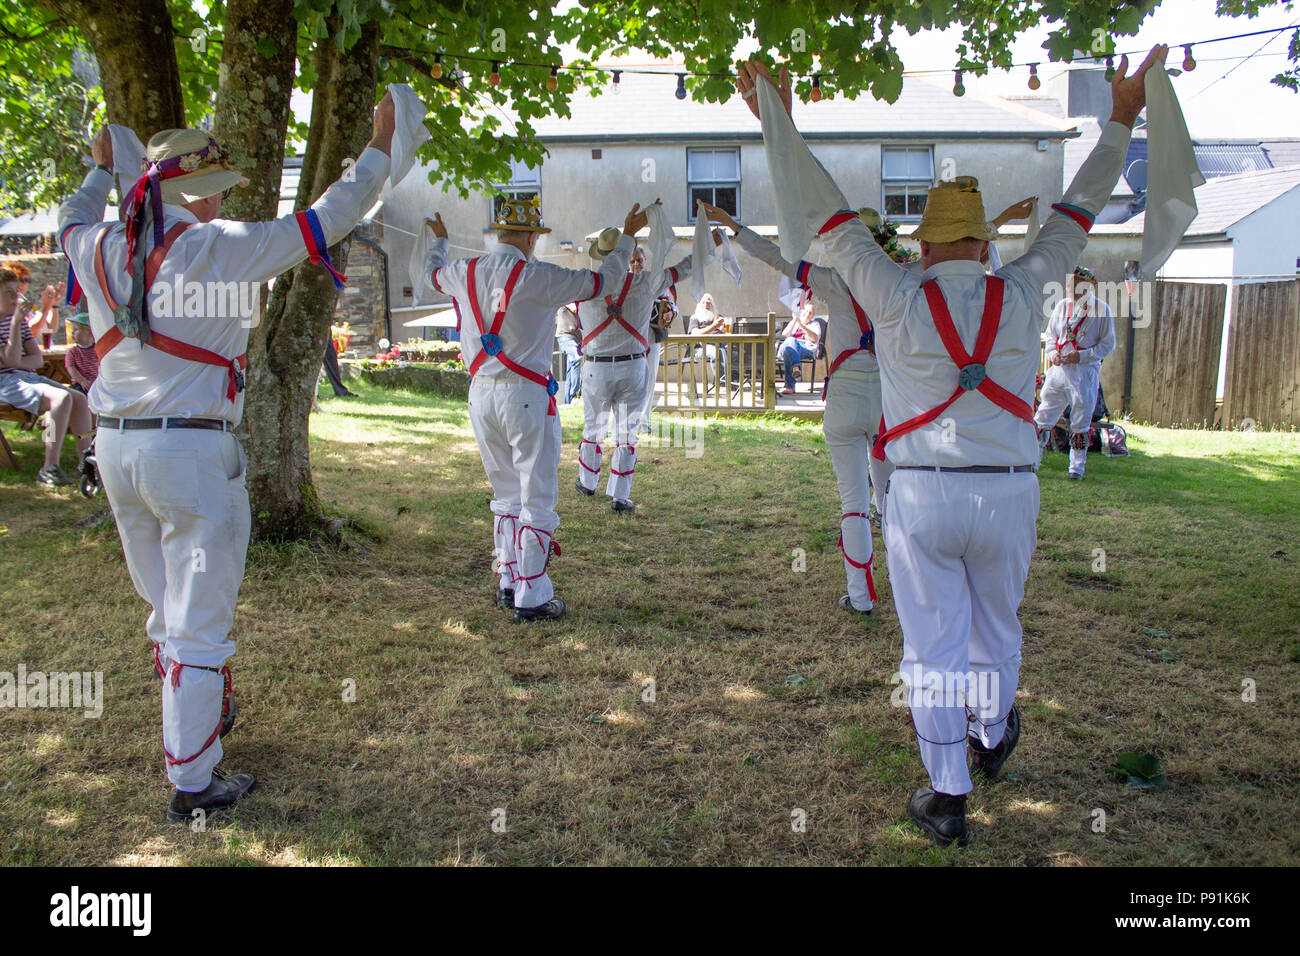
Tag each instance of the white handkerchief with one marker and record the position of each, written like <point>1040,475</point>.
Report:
<point>128,156</point>
<point>807,195</point>
<point>661,239</point>
<point>701,255</point>
<point>1031,231</point>
<point>1172,173</point>
<point>995,258</point>
<point>790,294</point>
<point>417,269</point>
<point>730,265</point>
<point>409,131</point>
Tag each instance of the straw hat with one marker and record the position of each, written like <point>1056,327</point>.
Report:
<point>954,210</point>
<point>605,243</point>
<point>206,170</point>
<point>520,215</point>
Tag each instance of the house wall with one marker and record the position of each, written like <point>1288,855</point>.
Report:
<point>1267,242</point>
<point>580,195</point>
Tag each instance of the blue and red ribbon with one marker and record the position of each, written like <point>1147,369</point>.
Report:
<point>313,238</point>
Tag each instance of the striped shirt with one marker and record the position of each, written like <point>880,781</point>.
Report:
<point>28,338</point>
<point>84,361</point>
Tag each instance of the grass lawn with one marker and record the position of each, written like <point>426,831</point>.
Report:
<point>766,698</point>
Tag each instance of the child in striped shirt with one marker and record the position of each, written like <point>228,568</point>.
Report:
<point>81,361</point>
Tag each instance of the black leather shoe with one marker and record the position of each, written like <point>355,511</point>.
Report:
<point>552,610</point>
<point>989,762</point>
<point>846,604</point>
<point>505,597</point>
<point>940,815</point>
<point>588,492</point>
<point>221,795</point>
<point>621,506</point>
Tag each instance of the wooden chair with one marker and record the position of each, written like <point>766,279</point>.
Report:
<point>820,356</point>
<point>26,421</point>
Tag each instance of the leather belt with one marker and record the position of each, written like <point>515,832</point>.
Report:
<point>972,469</point>
<point>131,424</point>
<point>615,358</point>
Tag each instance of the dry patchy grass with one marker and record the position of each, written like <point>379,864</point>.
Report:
<point>768,698</point>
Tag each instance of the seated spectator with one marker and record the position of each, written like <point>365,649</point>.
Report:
<point>81,361</point>
<point>568,339</point>
<point>46,323</point>
<point>23,388</point>
<point>801,338</point>
<point>706,321</point>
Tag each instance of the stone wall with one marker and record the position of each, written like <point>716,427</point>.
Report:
<point>47,270</point>
<point>361,303</point>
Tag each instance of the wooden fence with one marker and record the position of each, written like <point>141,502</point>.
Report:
<point>1176,357</point>
<point>718,373</point>
<point>1263,363</point>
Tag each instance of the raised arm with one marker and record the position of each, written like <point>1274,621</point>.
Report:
<point>1063,237</point>
<point>86,206</point>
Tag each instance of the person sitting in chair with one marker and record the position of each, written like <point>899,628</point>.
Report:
<point>801,337</point>
<point>705,320</point>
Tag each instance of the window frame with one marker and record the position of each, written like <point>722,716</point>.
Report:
<point>910,185</point>
<point>712,184</point>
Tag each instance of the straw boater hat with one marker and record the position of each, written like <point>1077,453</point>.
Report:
<point>520,215</point>
<point>605,243</point>
<point>954,210</point>
<point>203,164</point>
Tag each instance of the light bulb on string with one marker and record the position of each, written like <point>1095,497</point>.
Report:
<point>958,88</point>
<point>681,86</point>
<point>553,81</point>
<point>617,74</point>
<point>494,78</point>
<point>435,71</point>
<point>1188,63</point>
<point>816,94</point>
<point>1034,81</point>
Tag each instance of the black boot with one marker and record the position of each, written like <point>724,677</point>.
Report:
<point>577,483</point>
<point>941,815</point>
<point>989,762</point>
<point>846,604</point>
<point>552,610</point>
<point>221,794</point>
<point>621,506</point>
<point>505,597</point>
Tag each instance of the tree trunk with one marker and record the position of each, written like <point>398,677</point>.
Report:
<point>286,349</point>
<point>135,45</point>
<point>252,110</point>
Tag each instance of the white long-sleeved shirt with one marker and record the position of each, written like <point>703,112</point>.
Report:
<point>843,332</point>
<point>637,308</point>
<point>917,373</point>
<point>203,267</point>
<point>1093,326</point>
<point>528,328</point>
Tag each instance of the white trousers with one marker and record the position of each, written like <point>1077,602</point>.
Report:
<point>613,395</point>
<point>181,507</point>
<point>651,373</point>
<point>958,547</point>
<point>519,443</point>
<point>850,424</point>
<point>1078,389</point>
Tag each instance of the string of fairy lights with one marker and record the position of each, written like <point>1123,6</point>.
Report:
<point>437,69</point>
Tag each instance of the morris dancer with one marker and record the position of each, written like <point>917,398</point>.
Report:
<point>1080,334</point>
<point>512,392</point>
<point>852,418</point>
<point>963,499</point>
<point>614,347</point>
<point>170,464</point>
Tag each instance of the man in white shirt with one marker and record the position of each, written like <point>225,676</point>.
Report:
<point>959,523</point>
<point>615,329</point>
<point>168,458</point>
<point>1080,334</point>
<point>509,300</point>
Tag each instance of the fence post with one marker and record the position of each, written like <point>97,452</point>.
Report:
<point>769,364</point>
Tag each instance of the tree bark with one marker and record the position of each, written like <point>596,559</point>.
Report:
<point>258,56</point>
<point>134,44</point>
<point>286,349</point>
